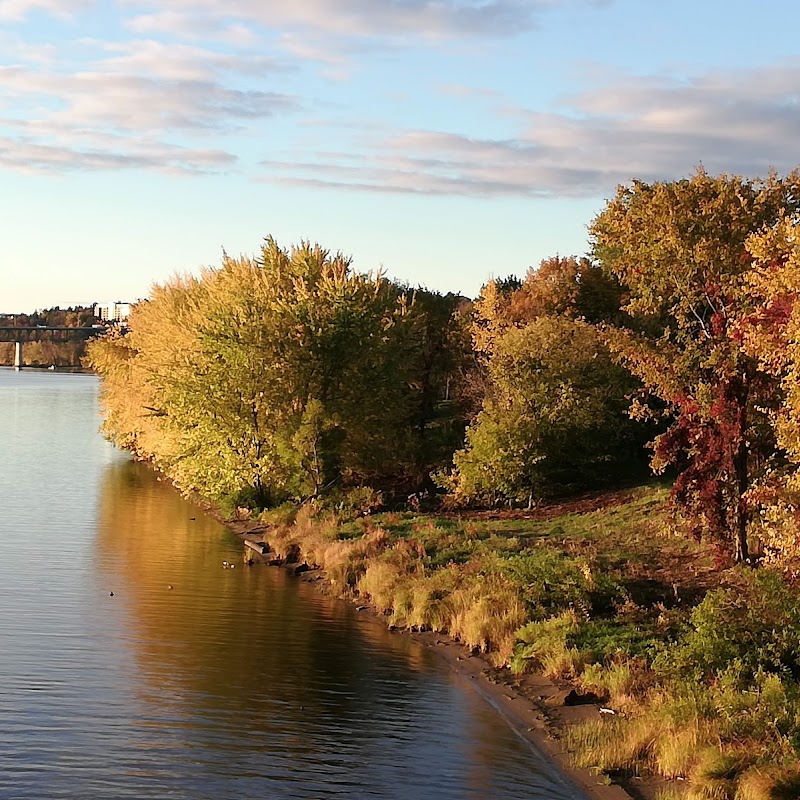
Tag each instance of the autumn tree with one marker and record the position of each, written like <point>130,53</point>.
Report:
<point>679,250</point>
<point>552,414</point>
<point>771,333</point>
<point>553,420</point>
<point>574,287</point>
<point>281,376</point>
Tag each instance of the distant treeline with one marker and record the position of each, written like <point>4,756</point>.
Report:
<point>289,376</point>
<point>39,349</point>
<point>72,317</point>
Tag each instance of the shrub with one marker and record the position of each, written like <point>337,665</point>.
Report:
<point>354,503</point>
<point>284,514</point>
<point>549,579</point>
<point>605,639</point>
<point>755,625</point>
<point>544,644</point>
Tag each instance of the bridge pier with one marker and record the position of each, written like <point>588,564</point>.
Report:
<point>17,355</point>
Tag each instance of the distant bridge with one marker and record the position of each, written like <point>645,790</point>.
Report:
<point>45,333</point>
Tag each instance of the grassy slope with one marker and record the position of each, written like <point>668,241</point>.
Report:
<point>598,591</point>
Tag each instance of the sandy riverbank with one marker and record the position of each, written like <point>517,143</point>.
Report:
<point>539,710</point>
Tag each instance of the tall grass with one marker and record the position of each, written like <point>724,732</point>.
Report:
<point>708,697</point>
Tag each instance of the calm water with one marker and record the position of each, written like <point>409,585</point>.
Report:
<point>232,684</point>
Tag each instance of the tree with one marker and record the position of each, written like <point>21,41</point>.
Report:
<point>435,353</point>
<point>279,376</point>
<point>551,417</point>
<point>553,420</point>
<point>679,250</point>
<point>771,333</point>
<point>572,286</point>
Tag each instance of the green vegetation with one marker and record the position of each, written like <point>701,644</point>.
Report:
<point>283,377</point>
<point>604,595</point>
<point>314,396</point>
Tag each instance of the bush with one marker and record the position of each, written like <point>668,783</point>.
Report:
<point>754,625</point>
<point>282,515</point>
<point>354,503</point>
<point>606,639</point>
<point>545,644</point>
<point>549,579</point>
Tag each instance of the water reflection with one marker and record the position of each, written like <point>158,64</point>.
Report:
<point>238,683</point>
<point>268,682</point>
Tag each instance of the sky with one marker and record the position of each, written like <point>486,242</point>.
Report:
<point>445,142</point>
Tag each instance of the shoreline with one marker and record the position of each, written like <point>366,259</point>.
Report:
<point>532,705</point>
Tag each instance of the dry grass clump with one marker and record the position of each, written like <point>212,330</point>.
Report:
<point>388,577</point>
<point>345,561</point>
<point>482,611</point>
<point>378,584</point>
<point>615,744</point>
<point>757,784</point>
<point>676,738</point>
<point>430,600</point>
<point>676,752</point>
<point>314,538</point>
<point>673,738</point>
<point>487,611</point>
<point>622,681</point>
<point>714,776</point>
<point>669,793</point>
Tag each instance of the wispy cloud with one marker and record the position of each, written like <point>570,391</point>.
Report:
<point>127,93</point>
<point>31,155</point>
<point>17,10</point>
<point>380,18</point>
<point>742,121</point>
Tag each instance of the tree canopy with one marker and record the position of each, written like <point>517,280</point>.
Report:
<point>679,250</point>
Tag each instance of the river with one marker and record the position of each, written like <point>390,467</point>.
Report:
<point>133,665</point>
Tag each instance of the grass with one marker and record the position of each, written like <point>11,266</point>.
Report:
<point>700,664</point>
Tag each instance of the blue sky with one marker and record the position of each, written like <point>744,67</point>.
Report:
<point>445,141</point>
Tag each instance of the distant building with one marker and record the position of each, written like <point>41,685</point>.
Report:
<point>112,312</point>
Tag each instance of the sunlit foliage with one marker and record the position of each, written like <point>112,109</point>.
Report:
<point>772,334</point>
<point>679,249</point>
<point>276,377</point>
<point>552,417</point>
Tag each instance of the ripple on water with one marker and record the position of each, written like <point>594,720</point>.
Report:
<point>234,683</point>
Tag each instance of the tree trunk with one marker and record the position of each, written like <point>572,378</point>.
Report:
<point>740,549</point>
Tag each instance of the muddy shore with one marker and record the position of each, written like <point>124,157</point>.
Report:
<point>538,709</point>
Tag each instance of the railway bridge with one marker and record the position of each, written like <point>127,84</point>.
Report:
<point>45,333</point>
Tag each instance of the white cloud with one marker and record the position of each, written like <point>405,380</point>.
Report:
<point>137,103</point>
<point>63,116</point>
<point>358,18</point>
<point>29,155</point>
<point>194,24</point>
<point>651,128</point>
<point>177,61</point>
<point>16,10</point>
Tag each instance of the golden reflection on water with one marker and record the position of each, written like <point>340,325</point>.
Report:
<point>233,684</point>
<point>216,621</point>
<point>251,654</point>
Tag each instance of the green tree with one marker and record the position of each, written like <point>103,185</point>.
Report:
<point>436,354</point>
<point>553,420</point>
<point>678,249</point>
<point>278,376</point>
